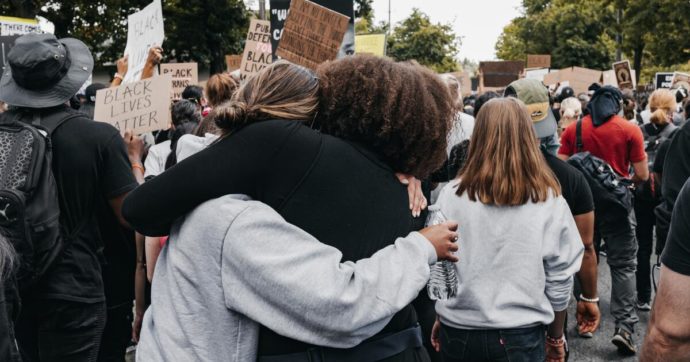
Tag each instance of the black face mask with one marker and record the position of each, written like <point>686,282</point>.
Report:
<point>605,103</point>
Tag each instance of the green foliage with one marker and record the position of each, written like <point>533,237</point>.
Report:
<point>196,30</point>
<point>432,45</point>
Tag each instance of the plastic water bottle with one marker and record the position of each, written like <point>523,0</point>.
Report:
<point>443,282</point>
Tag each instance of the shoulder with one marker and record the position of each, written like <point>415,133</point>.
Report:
<point>159,148</point>
<point>232,211</point>
<point>276,127</point>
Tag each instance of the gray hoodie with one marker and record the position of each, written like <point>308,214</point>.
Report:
<point>233,264</point>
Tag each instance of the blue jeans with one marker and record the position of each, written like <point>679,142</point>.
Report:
<point>509,345</point>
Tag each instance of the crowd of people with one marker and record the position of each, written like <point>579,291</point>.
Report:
<point>282,217</point>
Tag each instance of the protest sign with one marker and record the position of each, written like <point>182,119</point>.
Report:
<point>681,80</point>
<point>538,61</point>
<point>663,80</point>
<point>279,12</point>
<point>374,44</point>
<point>624,76</point>
<point>144,30</point>
<point>183,74</point>
<point>142,106</point>
<point>18,26</point>
<point>233,62</point>
<point>579,79</point>
<point>537,74</point>
<point>312,35</point>
<point>497,74</point>
<point>257,48</point>
<point>6,43</point>
<point>608,77</point>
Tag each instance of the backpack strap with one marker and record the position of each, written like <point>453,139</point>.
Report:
<point>53,121</point>
<point>578,136</point>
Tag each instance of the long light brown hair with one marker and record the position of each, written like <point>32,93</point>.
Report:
<point>280,91</point>
<point>505,166</point>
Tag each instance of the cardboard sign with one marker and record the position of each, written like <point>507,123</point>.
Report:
<point>183,74</point>
<point>312,34</point>
<point>578,78</point>
<point>608,77</point>
<point>18,26</point>
<point>279,12</point>
<point>257,49</point>
<point>624,75</point>
<point>537,74</point>
<point>142,106</point>
<point>663,80</point>
<point>496,74</point>
<point>538,61</point>
<point>233,62</point>
<point>374,44</point>
<point>6,43</point>
<point>681,80</point>
<point>144,30</point>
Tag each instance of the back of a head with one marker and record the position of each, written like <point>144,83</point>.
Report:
<point>505,166</point>
<point>220,88</point>
<point>571,107</point>
<point>454,88</point>
<point>482,99</point>
<point>193,93</point>
<point>402,111</point>
<point>280,91</point>
<point>184,111</point>
<point>662,104</point>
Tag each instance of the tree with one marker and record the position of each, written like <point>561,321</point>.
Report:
<point>432,45</point>
<point>196,30</point>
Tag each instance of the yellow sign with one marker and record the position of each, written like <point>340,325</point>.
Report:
<point>17,26</point>
<point>371,44</point>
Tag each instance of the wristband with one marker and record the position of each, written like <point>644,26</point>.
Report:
<point>593,300</point>
<point>118,76</point>
<point>555,342</point>
<point>138,166</point>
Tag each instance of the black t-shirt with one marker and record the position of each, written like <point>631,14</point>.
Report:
<point>91,166</point>
<point>337,191</point>
<point>574,186</point>
<point>676,254</point>
<point>676,168</point>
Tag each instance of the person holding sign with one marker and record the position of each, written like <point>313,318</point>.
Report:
<point>63,317</point>
<point>270,154</point>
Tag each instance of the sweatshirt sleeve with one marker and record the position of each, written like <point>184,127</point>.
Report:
<point>285,279</point>
<point>562,255</point>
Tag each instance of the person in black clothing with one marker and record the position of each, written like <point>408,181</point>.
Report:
<point>668,335</point>
<point>63,315</point>
<point>338,190</point>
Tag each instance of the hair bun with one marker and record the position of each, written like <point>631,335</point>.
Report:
<point>658,117</point>
<point>229,115</point>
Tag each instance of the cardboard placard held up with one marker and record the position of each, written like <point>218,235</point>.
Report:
<point>538,73</point>
<point>497,74</point>
<point>624,75</point>
<point>233,62</point>
<point>608,77</point>
<point>18,26</point>
<point>663,80</point>
<point>374,44</point>
<point>578,78</point>
<point>144,30</point>
<point>143,106</point>
<point>681,80</point>
<point>183,74</point>
<point>538,61</point>
<point>312,35</point>
<point>257,49</point>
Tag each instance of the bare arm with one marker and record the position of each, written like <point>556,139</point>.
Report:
<point>668,335</point>
<point>588,271</point>
<point>135,151</point>
<point>122,65</point>
<point>155,56</point>
<point>641,171</point>
<point>563,157</point>
<point>139,288</point>
<point>153,249</point>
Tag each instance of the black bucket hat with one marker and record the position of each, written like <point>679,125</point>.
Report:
<point>44,72</point>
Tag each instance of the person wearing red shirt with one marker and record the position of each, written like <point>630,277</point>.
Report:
<point>610,137</point>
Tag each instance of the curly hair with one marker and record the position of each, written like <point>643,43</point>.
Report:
<point>402,111</point>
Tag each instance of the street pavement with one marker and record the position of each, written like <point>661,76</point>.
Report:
<point>600,347</point>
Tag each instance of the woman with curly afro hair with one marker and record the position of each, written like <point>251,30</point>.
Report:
<point>376,118</point>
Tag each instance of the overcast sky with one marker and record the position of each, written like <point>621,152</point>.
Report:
<point>478,22</point>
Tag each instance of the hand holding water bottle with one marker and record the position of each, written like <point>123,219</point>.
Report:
<point>443,280</point>
<point>443,237</point>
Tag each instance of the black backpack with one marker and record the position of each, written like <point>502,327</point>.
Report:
<point>29,208</point>
<point>612,197</point>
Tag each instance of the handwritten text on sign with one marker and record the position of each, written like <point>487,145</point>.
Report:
<point>312,34</point>
<point>257,50</point>
<point>143,106</point>
<point>183,74</point>
<point>144,30</point>
<point>18,26</point>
